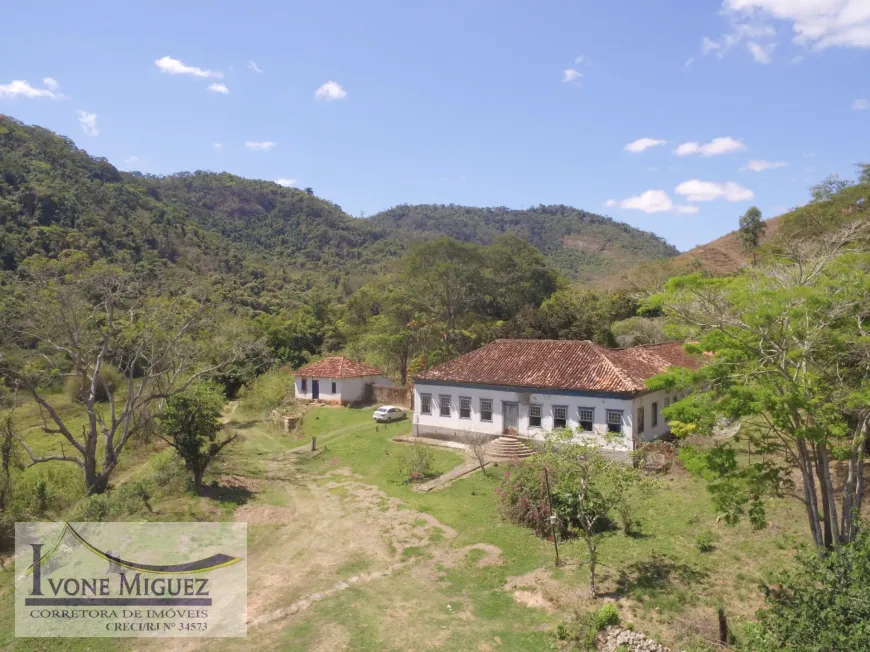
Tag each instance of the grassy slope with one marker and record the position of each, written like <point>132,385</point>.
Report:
<point>663,582</point>
<point>725,255</point>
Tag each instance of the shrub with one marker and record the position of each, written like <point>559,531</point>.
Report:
<point>78,387</point>
<point>268,391</point>
<point>94,508</point>
<point>581,632</point>
<point>821,603</point>
<point>523,500</point>
<point>704,541</point>
<point>415,465</point>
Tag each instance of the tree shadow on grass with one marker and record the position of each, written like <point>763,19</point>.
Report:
<point>656,575</point>
<point>237,495</point>
<point>244,425</point>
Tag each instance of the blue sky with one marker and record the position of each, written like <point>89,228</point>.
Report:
<point>479,102</point>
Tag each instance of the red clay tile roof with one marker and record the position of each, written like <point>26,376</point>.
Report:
<point>562,364</point>
<point>337,367</point>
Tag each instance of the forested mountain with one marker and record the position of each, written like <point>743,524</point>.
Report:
<point>264,240</point>
<point>579,244</point>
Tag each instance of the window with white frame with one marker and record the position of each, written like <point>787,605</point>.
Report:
<point>560,416</point>
<point>486,409</point>
<point>425,404</point>
<point>614,420</point>
<point>535,415</point>
<point>334,388</point>
<point>655,414</point>
<point>586,417</point>
<point>304,384</point>
<point>444,403</point>
<point>464,407</point>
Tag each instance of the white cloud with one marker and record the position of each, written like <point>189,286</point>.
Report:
<point>579,60</point>
<point>796,59</point>
<point>761,53</point>
<point>260,146</point>
<point>717,146</point>
<point>651,201</point>
<point>50,83</point>
<point>816,23</point>
<point>88,122</point>
<point>757,37</point>
<point>330,91</point>
<point>253,66</point>
<point>697,190</point>
<point>132,159</point>
<point>642,144</point>
<point>862,104</point>
<point>218,145</point>
<point>176,67</point>
<point>708,45</point>
<point>21,88</point>
<point>219,88</point>
<point>570,75</point>
<point>287,183</point>
<point>761,166</point>
<point>688,63</point>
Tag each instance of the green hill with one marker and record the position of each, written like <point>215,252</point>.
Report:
<point>265,244</point>
<point>581,245</point>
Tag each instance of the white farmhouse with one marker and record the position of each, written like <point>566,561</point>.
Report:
<point>525,388</point>
<point>336,380</point>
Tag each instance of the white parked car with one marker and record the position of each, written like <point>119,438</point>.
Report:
<point>389,413</point>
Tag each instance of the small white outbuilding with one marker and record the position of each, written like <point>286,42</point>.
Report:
<point>337,380</point>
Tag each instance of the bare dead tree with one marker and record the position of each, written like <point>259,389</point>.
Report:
<point>71,318</point>
<point>479,446</point>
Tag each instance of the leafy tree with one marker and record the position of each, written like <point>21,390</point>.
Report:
<point>516,275</point>
<point>828,187</point>
<point>190,423</point>
<point>590,486</point>
<point>9,455</point>
<point>638,331</point>
<point>821,605</point>
<point>752,228</point>
<point>787,356</point>
<point>446,273</point>
<point>69,317</point>
<point>576,315</point>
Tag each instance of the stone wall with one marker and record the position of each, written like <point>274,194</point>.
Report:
<point>380,395</point>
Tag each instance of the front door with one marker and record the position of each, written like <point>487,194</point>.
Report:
<point>511,418</point>
<point>315,389</point>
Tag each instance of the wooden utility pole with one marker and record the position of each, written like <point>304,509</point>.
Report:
<point>552,515</point>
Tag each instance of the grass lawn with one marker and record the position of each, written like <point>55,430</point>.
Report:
<point>361,561</point>
<point>664,583</point>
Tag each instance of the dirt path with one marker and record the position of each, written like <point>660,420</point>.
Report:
<point>318,537</point>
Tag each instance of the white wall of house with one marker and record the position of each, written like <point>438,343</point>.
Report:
<point>654,424</point>
<point>435,423</point>
<point>346,389</point>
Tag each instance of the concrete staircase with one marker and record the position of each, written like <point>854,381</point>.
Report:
<point>508,448</point>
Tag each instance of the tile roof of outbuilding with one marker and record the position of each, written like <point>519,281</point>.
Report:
<point>337,367</point>
<point>562,364</point>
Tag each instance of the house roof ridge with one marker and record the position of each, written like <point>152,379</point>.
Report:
<point>619,371</point>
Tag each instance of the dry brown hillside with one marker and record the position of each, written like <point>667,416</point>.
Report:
<point>724,256</point>
<point>720,257</point>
